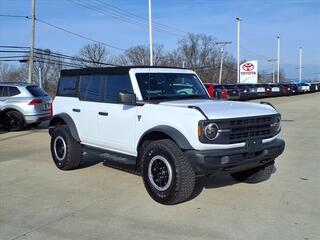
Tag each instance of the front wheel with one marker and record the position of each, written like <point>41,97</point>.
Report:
<point>255,175</point>
<point>167,175</point>
<point>65,150</point>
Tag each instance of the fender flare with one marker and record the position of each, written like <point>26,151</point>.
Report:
<point>173,133</point>
<point>68,121</point>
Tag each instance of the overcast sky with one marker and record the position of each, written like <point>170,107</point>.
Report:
<point>297,22</point>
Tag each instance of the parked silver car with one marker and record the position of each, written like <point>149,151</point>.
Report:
<point>23,104</point>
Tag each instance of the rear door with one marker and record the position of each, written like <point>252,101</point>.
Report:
<point>89,103</point>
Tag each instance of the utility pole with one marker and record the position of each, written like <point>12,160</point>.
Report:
<point>300,64</point>
<point>272,61</point>
<point>40,77</point>
<point>278,68</point>
<point>222,44</point>
<point>238,51</point>
<point>33,18</point>
<point>150,34</point>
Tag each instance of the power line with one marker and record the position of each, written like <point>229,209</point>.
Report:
<point>65,30</point>
<point>16,56</point>
<point>79,35</point>
<point>137,16</point>
<point>13,16</point>
<point>120,16</point>
<point>51,54</point>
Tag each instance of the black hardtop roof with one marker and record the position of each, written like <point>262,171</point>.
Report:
<point>106,70</point>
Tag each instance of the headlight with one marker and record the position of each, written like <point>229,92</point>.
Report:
<point>211,131</point>
<point>276,123</point>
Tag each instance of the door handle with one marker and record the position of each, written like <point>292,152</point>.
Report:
<point>103,113</point>
<point>76,110</point>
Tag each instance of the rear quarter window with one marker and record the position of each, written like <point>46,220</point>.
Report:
<point>67,87</point>
<point>13,91</point>
<point>36,91</point>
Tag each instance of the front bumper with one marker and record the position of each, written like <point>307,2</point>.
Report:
<point>226,161</point>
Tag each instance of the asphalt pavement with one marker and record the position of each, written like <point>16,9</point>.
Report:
<point>99,201</point>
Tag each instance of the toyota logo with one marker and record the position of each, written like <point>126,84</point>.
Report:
<point>248,67</point>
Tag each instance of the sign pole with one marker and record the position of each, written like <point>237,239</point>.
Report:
<point>278,70</point>
<point>300,64</point>
<point>223,44</point>
<point>150,34</point>
<point>238,51</point>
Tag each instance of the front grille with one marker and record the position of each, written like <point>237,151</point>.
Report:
<point>249,128</point>
<point>242,129</point>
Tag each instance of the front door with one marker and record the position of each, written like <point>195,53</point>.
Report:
<point>117,122</point>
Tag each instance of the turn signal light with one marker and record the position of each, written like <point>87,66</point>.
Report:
<point>199,130</point>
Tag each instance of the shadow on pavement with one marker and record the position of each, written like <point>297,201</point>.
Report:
<point>202,182</point>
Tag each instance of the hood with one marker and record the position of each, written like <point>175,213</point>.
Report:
<point>216,109</point>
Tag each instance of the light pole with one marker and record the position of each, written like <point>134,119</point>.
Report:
<point>223,44</point>
<point>278,68</point>
<point>272,61</point>
<point>150,34</point>
<point>300,64</point>
<point>238,51</point>
<point>33,18</point>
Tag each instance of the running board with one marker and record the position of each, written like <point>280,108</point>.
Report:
<point>111,155</point>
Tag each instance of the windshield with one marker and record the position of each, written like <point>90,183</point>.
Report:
<point>170,86</point>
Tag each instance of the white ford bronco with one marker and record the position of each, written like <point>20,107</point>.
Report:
<point>163,122</point>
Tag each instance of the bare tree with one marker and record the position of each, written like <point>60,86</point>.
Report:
<point>49,67</point>
<point>94,55</point>
<point>139,55</point>
<point>12,73</point>
<point>199,52</point>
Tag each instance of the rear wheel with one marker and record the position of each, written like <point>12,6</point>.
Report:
<point>255,175</point>
<point>65,150</point>
<point>167,175</point>
<point>13,121</point>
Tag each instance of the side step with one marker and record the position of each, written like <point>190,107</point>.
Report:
<point>110,155</point>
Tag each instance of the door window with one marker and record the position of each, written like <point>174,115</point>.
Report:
<point>4,91</point>
<point>13,91</point>
<point>67,87</point>
<point>90,88</point>
<point>115,84</point>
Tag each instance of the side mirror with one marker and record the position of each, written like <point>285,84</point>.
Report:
<point>127,98</point>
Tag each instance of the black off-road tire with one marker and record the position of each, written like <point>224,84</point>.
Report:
<point>183,177</point>
<point>12,121</point>
<point>255,175</point>
<point>73,152</point>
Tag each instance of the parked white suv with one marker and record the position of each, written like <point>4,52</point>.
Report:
<point>162,121</point>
